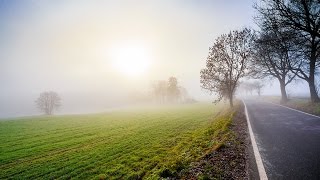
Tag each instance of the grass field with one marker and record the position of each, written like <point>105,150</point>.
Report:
<point>129,144</point>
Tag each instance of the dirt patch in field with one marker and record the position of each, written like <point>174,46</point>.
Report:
<point>229,161</point>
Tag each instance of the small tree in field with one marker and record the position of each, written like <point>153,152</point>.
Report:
<point>49,101</point>
<point>227,62</point>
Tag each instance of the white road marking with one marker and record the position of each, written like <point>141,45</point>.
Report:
<point>261,170</point>
<point>294,109</point>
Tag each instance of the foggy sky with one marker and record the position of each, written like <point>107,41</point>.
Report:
<point>60,46</point>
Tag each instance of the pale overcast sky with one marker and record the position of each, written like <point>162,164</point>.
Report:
<point>65,45</point>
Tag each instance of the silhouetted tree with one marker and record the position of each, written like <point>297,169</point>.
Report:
<point>48,101</point>
<point>227,62</point>
<point>303,18</point>
<point>275,56</point>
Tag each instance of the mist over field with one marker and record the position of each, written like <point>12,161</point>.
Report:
<point>64,46</point>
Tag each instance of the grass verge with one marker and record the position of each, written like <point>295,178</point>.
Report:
<point>302,104</point>
<point>229,160</point>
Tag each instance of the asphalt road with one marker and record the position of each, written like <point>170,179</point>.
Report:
<point>288,141</point>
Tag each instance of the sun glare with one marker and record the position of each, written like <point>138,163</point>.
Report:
<point>130,59</point>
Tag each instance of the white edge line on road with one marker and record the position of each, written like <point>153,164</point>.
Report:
<point>261,170</point>
<point>293,109</point>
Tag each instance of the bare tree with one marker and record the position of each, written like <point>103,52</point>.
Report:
<point>48,101</point>
<point>274,57</point>
<point>303,18</point>
<point>227,62</point>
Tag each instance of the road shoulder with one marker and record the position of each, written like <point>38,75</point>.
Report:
<point>231,160</point>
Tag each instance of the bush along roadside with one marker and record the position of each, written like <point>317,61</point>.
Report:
<point>224,156</point>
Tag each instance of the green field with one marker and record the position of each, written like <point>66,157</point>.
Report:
<point>146,143</point>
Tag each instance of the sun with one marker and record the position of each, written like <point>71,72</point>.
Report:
<point>131,59</point>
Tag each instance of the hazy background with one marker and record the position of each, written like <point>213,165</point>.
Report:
<point>62,46</point>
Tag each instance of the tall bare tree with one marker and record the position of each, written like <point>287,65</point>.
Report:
<point>275,56</point>
<point>303,18</point>
<point>227,62</point>
<point>48,101</point>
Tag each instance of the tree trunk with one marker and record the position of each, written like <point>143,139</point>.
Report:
<point>284,97</point>
<point>231,101</point>
<point>313,92</point>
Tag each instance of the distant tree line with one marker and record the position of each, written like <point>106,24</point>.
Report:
<point>286,47</point>
<point>161,92</point>
<point>169,91</point>
<point>248,88</point>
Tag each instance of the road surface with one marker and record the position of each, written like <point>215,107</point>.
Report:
<point>288,140</point>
